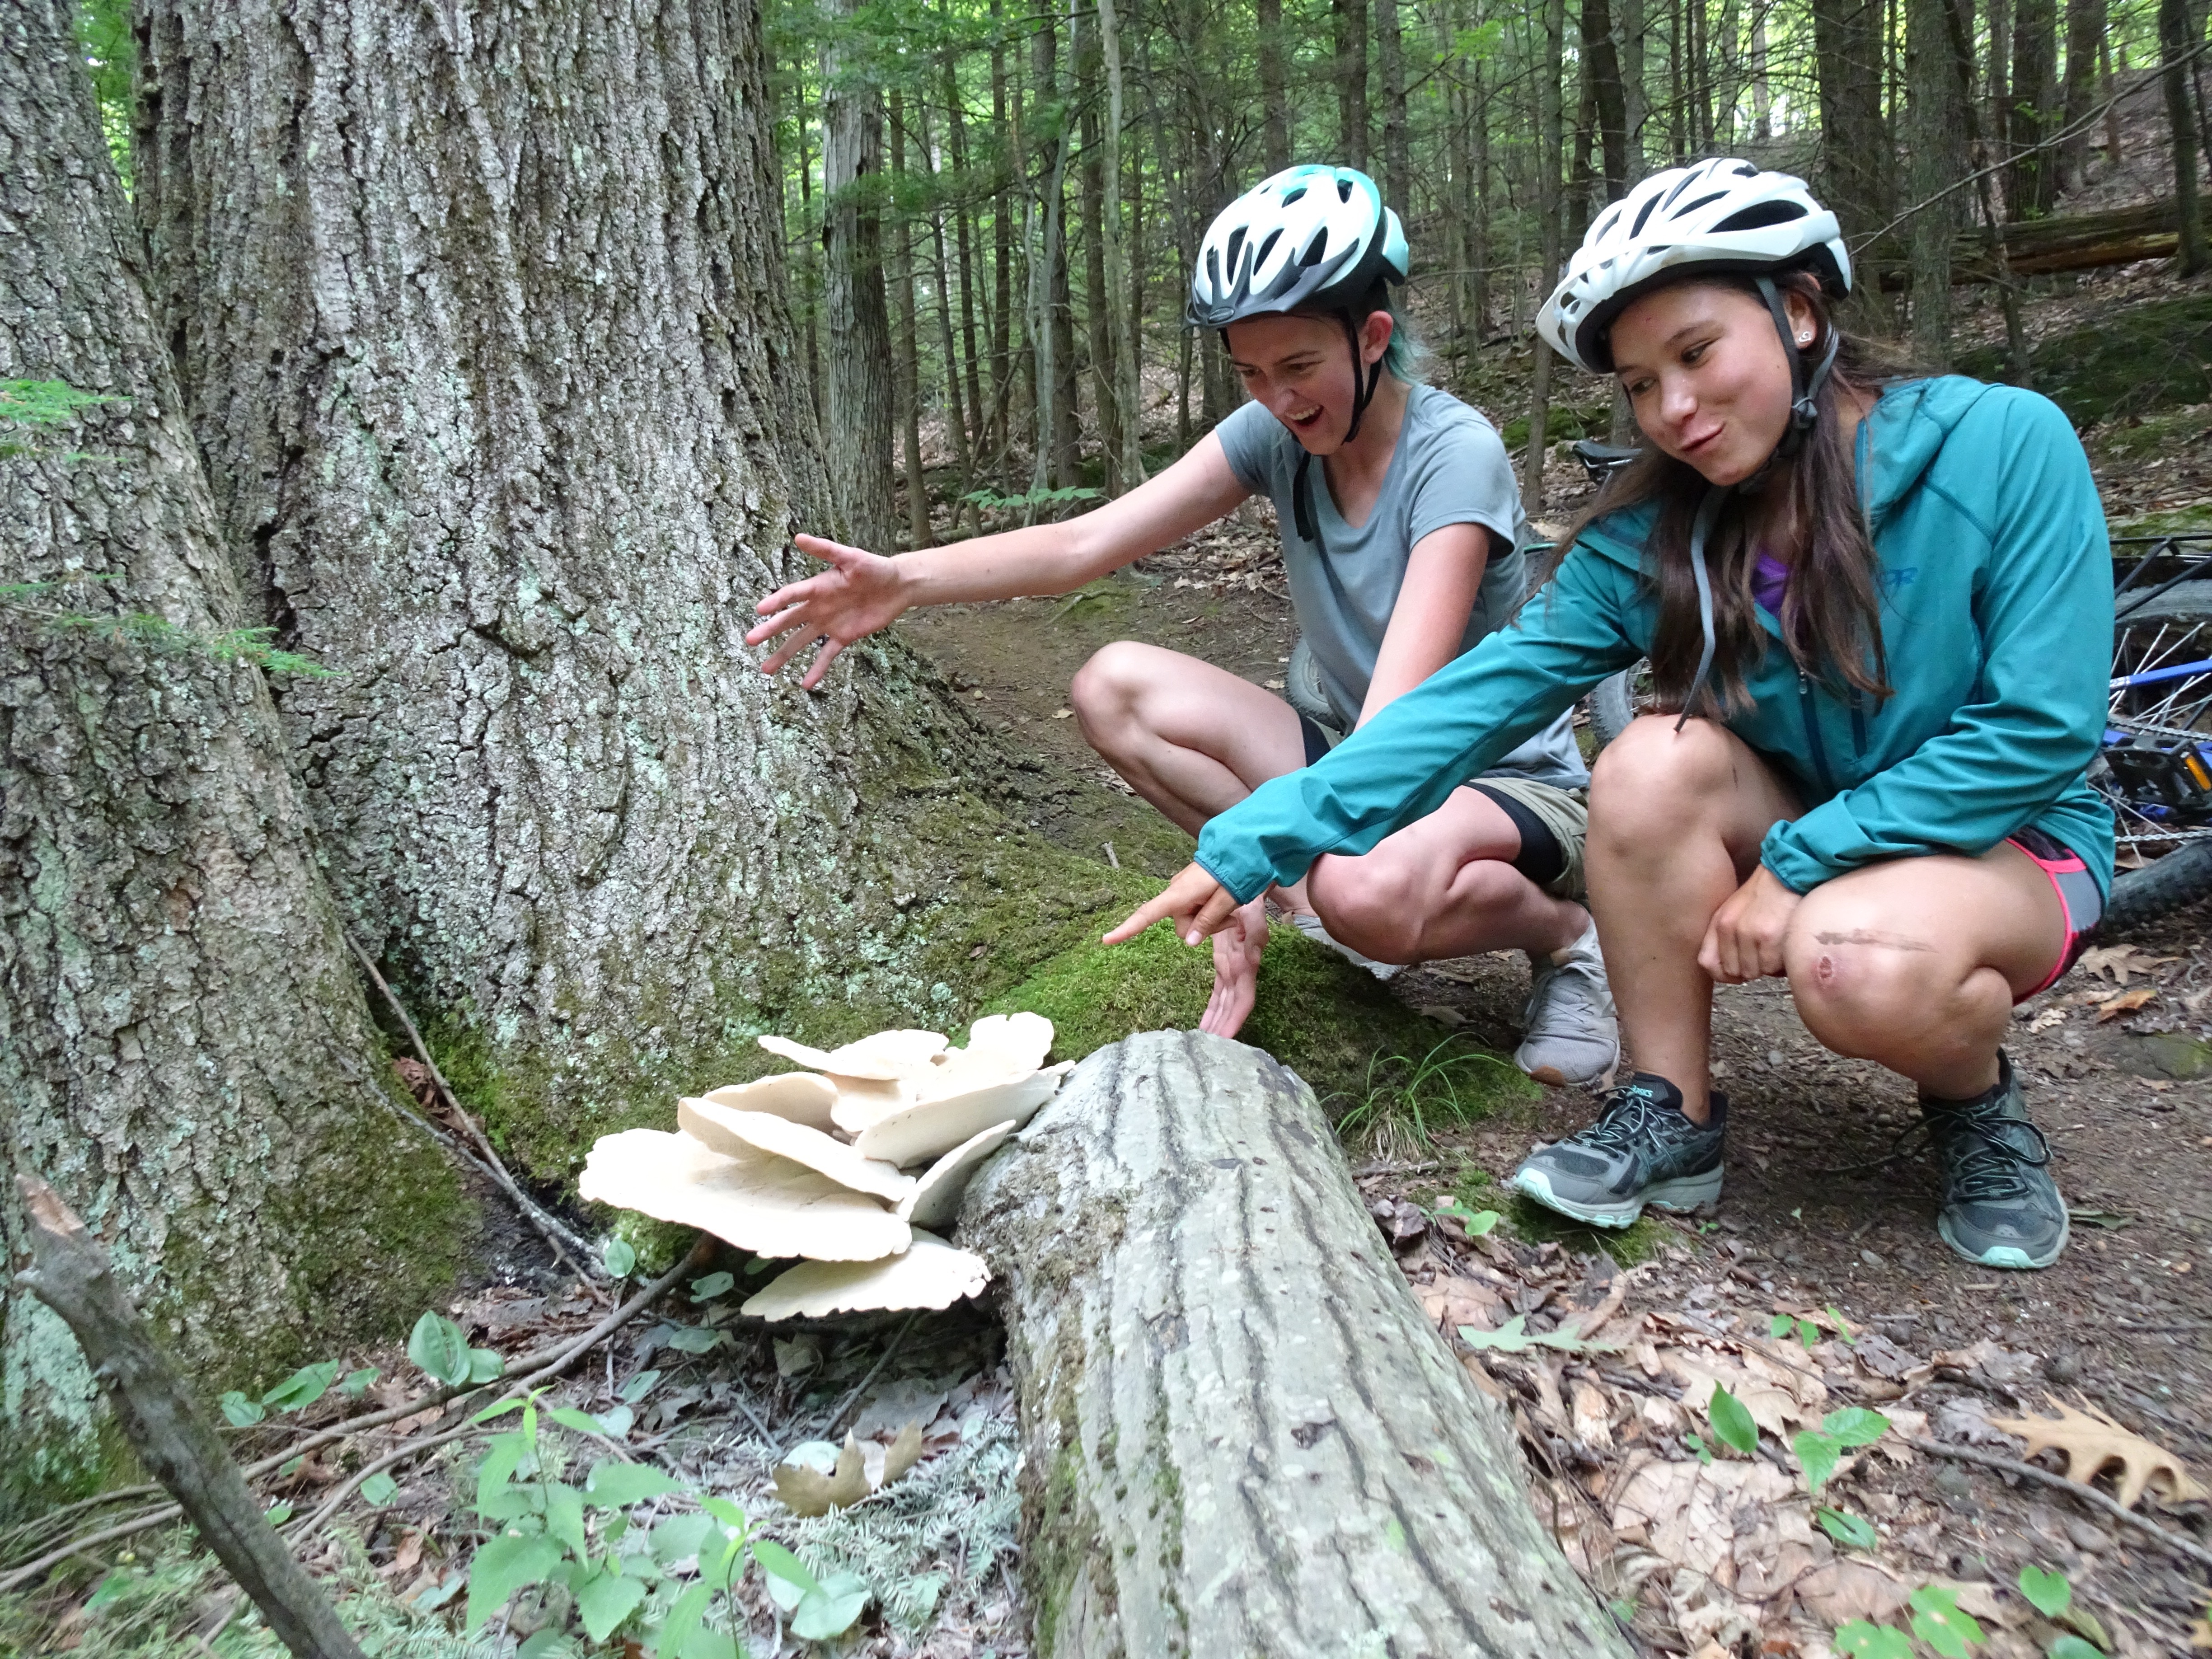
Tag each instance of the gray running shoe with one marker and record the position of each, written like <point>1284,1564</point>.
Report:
<point>2001,1207</point>
<point>1573,1037</point>
<point>1642,1150</point>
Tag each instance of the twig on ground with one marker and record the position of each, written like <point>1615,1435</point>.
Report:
<point>829,1427</point>
<point>566,1245</point>
<point>699,1252</point>
<point>2088,1495</point>
<point>137,1523</point>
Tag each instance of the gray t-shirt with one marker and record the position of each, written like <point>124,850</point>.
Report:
<point>1449,467</point>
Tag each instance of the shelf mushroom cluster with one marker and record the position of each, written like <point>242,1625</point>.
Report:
<point>857,1164</point>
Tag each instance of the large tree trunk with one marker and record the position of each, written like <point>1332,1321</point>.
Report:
<point>1125,326</point>
<point>1855,148</point>
<point>184,1052</point>
<point>2032,184</point>
<point>1936,131</point>
<point>2173,41</point>
<point>1275,85</point>
<point>1397,159</point>
<point>1241,1435</point>
<point>861,401</point>
<point>1348,19</point>
<point>493,367</point>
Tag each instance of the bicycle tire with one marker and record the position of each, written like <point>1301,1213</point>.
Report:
<point>1611,708</point>
<point>2156,890</point>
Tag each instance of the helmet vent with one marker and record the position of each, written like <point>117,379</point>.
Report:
<point>1344,190</point>
<point>1703,200</point>
<point>1291,196</point>
<point>1763,213</point>
<point>1650,203</point>
<point>1236,246</point>
<point>1319,248</point>
<point>1267,246</point>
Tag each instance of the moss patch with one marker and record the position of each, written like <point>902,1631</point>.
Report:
<point>1638,1242</point>
<point>1331,1023</point>
<point>2130,360</point>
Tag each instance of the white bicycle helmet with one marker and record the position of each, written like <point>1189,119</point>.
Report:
<point>1720,215</point>
<point>1309,236</point>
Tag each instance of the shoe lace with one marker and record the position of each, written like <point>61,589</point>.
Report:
<point>1544,1012</point>
<point>1629,1118</point>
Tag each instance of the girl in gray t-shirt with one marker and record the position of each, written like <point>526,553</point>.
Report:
<point>1402,535</point>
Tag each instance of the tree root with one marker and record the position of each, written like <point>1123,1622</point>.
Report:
<point>2088,1495</point>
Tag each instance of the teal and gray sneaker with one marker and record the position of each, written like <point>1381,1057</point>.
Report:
<point>2001,1207</point>
<point>1642,1150</point>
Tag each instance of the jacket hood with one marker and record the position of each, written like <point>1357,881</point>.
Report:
<point>1903,435</point>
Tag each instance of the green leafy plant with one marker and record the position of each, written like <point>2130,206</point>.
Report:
<point>620,1257</point>
<point>1852,1531</point>
<point>1452,1083</point>
<point>1861,1640</point>
<point>1477,1222</point>
<point>1732,1422</point>
<point>240,1411</point>
<point>303,1388</point>
<point>153,633</point>
<point>35,403</point>
<point>992,501</point>
<point>1938,1620</point>
<point>672,1586</point>
<point>1805,1330</point>
<point>1819,1450</point>
<point>2051,1593</point>
<point>714,1285</point>
<point>442,1349</point>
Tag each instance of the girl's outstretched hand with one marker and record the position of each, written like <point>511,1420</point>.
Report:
<point>1201,906</point>
<point>859,593</point>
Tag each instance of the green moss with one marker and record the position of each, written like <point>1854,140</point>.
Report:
<point>1360,1049</point>
<point>2131,359</point>
<point>1638,1242</point>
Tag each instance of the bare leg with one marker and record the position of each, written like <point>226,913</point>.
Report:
<point>1676,819</point>
<point>1914,963</point>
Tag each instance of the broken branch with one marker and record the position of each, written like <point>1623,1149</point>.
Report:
<point>71,1274</point>
<point>2088,1495</point>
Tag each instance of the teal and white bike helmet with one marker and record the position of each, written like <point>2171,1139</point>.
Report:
<point>1719,217</point>
<point>1309,239</point>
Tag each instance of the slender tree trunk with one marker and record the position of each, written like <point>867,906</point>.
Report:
<point>2032,182</point>
<point>810,279</point>
<point>1006,141</point>
<point>2173,39</point>
<point>1349,19</point>
<point>1052,338</point>
<point>1993,233</point>
<point>1478,239</point>
<point>1849,57</point>
<point>1628,21</point>
<point>964,247</point>
<point>906,359</point>
<point>1998,73</point>
<point>1549,121</point>
<point>1275,85</point>
<point>519,469</point>
<point>1936,133</point>
<point>948,344</point>
<point>861,381</point>
<point>1762,90</point>
<point>2108,90</point>
<point>1068,398</point>
<point>184,1052</point>
<point>1101,306</point>
<point>2085,38</point>
<point>1128,459</point>
<point>1609,105</point>
<point>1397,161</point>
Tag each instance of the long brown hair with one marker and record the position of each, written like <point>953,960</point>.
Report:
<point>1831,615</point>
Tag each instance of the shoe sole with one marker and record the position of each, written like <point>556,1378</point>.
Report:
<point>1690,1193</point>
<point>1552,1077</point>
<point>2004,1255</point>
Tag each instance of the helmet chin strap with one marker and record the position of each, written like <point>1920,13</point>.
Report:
<point>1363,387</point>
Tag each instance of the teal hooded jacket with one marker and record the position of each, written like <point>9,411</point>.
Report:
<point>1997,583</point>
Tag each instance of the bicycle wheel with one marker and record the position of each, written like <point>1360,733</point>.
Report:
<point>1618,699</point>
<point>2155,765</point>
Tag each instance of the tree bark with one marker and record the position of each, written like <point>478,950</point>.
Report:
<point>1275,85</point>
<point>1635,99</point>
<point>184,1049</point>
<point>72,1275</point>
<point>2085,39</point>
<point>2032,183</point>
<point>965,240</point>
<point>1349,20</point>
<point>1006,131</point>
<point>1242,1435</point>
<point>511,436</point>
<point>1936,133</point>
<point>1101,306</point>
<point>861,404</point>
<point>1608,97</point>
<point>1397,159</point>
<point>1549,123</point>
<point>1848,58</point>
<point>2173,39</point>
<point>906,361</point>
<point>1128,459</point>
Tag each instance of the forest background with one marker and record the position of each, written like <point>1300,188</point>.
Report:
<point>393,618</point>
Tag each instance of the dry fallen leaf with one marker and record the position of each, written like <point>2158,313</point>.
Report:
<point>2094,1441</point>
<point>2126,1003</point>
<point>1776,1398</point>
<point>862,1466</point>
<point>1686,1513</point>
<point>765,1204</point>
<point>1450,1302</point>
<point>930,1274</point>
<point>2118,961</point>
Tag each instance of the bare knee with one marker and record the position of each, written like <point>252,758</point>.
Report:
<point>1107,690</point>
<point>1651,771</point>
<point>1863,989</point>
<point>1369,903</point>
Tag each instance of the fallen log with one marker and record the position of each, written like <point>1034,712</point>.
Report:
<point>1241,1436</point>
<point>71,1274</point>
<point>2039,247</point>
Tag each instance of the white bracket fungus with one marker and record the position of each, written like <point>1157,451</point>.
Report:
<point>812,1164</point>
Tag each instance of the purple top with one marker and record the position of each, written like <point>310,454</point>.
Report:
<point>1769,580</point>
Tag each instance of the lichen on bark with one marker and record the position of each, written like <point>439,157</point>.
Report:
<point>184,1053</point>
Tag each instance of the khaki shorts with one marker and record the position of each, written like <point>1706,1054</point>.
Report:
<point>1564,812</point>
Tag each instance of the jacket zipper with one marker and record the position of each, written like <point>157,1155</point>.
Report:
<point>1813,734</point>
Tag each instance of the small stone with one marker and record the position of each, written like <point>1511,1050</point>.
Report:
<point>1870,1258</point>
<point>1952,1482</point>
<point>2062,1368</point>
<point>1773,1058</point>
<point>2086,1538</point>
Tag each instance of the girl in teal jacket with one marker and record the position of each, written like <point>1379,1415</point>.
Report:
<point>1879,610</point>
